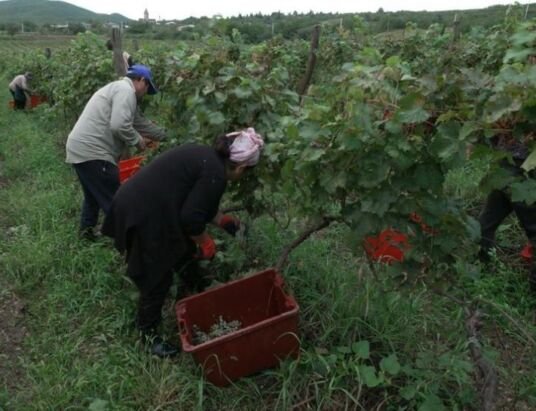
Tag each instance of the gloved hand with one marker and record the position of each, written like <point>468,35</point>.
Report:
<point>230,224</point>
<point>206,247</point>
<point>141,144</point>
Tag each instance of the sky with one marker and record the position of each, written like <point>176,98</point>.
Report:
<point>176,9</point>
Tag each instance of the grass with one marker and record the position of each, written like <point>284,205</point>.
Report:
<point>368,339</point>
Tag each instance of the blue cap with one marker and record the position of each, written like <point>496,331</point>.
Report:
<point>145,72</point>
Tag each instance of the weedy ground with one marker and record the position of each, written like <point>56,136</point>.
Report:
<point>370,338</point>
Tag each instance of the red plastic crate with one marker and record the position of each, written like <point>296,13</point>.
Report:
<point>34,101</point>
<point>37,100</point>
<point>527,253</point>
<point>268,333</point>
<point>387,247</point>
<point>129,167</point>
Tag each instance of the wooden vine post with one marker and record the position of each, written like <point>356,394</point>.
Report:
<point>119,63</point>
<point>456,28</point>
<point>311,62</point>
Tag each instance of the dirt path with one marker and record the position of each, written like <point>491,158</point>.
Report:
<point>12,324</point>
<point>12,334</point>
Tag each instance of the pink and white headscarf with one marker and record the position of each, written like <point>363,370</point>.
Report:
<point>246,147</point>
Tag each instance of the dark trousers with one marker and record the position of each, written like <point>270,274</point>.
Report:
<point>100,181</point>
<point>498,206</point>
<point>153,293</point>
<point>19,97</point>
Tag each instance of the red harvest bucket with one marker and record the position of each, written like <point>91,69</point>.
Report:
<point>268,333</point>
<point>527,253</point>
<point>129,167</point>
<point>387,247</point>
<point>37,100</point>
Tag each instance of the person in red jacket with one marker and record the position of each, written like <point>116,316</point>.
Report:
<point>158,218</point>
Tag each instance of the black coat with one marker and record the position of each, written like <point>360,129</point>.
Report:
<point>156,211</point>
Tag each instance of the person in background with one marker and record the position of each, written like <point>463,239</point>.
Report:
<point>99,137</point>
<point>499,203</point>
<point>20,89</point>
<point>127,58</point>
<point>150,131</point>
<point>158,219</point>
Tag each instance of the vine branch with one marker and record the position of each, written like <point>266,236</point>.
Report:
<point>288,249</point>
<point>486,373</point>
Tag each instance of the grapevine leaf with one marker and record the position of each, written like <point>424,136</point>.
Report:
<point>351,142</point>
<point>242,92</point>
<point>311,131</point>
<point>496,179</point>
<point>467,129</point>
<point>373,174</point>
<point>363,226</point>
<point>312,154</point>
<point>530,163</point>
<point>393,61</point>
<point>379,203</point>
<point>428,176</point>
<point>523,37</point>
<point>517,55</point>
<point>414,115</point>
<point>216,118</point>
<point>432,403</point>
<point>446,143</point>
<point>524,191</point>
<point>500,105</point>
<point>331,183</point>
<point>411,110</point>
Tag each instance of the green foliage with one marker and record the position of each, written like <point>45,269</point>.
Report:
<point>369,339</point>
<point>384,123</point>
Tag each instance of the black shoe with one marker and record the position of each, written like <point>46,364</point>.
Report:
<point>157,346</point>
<point>484,255</point>
<point>87,234</point>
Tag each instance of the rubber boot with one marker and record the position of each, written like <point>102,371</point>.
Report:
<point>156,345</point>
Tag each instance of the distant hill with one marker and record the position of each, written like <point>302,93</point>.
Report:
<point>51,12</point>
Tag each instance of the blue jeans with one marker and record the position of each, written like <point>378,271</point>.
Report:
<point>100,181</point>
<point>19,97</point>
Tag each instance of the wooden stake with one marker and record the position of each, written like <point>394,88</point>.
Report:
<point>119,62</point>
<point>306,80</point>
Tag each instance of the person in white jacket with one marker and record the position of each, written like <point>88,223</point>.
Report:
<point>103,131</point>
<point>20,89</point>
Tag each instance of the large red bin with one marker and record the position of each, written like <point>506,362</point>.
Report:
<point>527,253</point>
<point>387,247</point>
<point>129,167</point>
<point>268,333</point>
<point>36,100</point>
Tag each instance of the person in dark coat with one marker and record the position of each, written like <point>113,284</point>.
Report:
<point>158,218</point>
<point>499,202</point>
